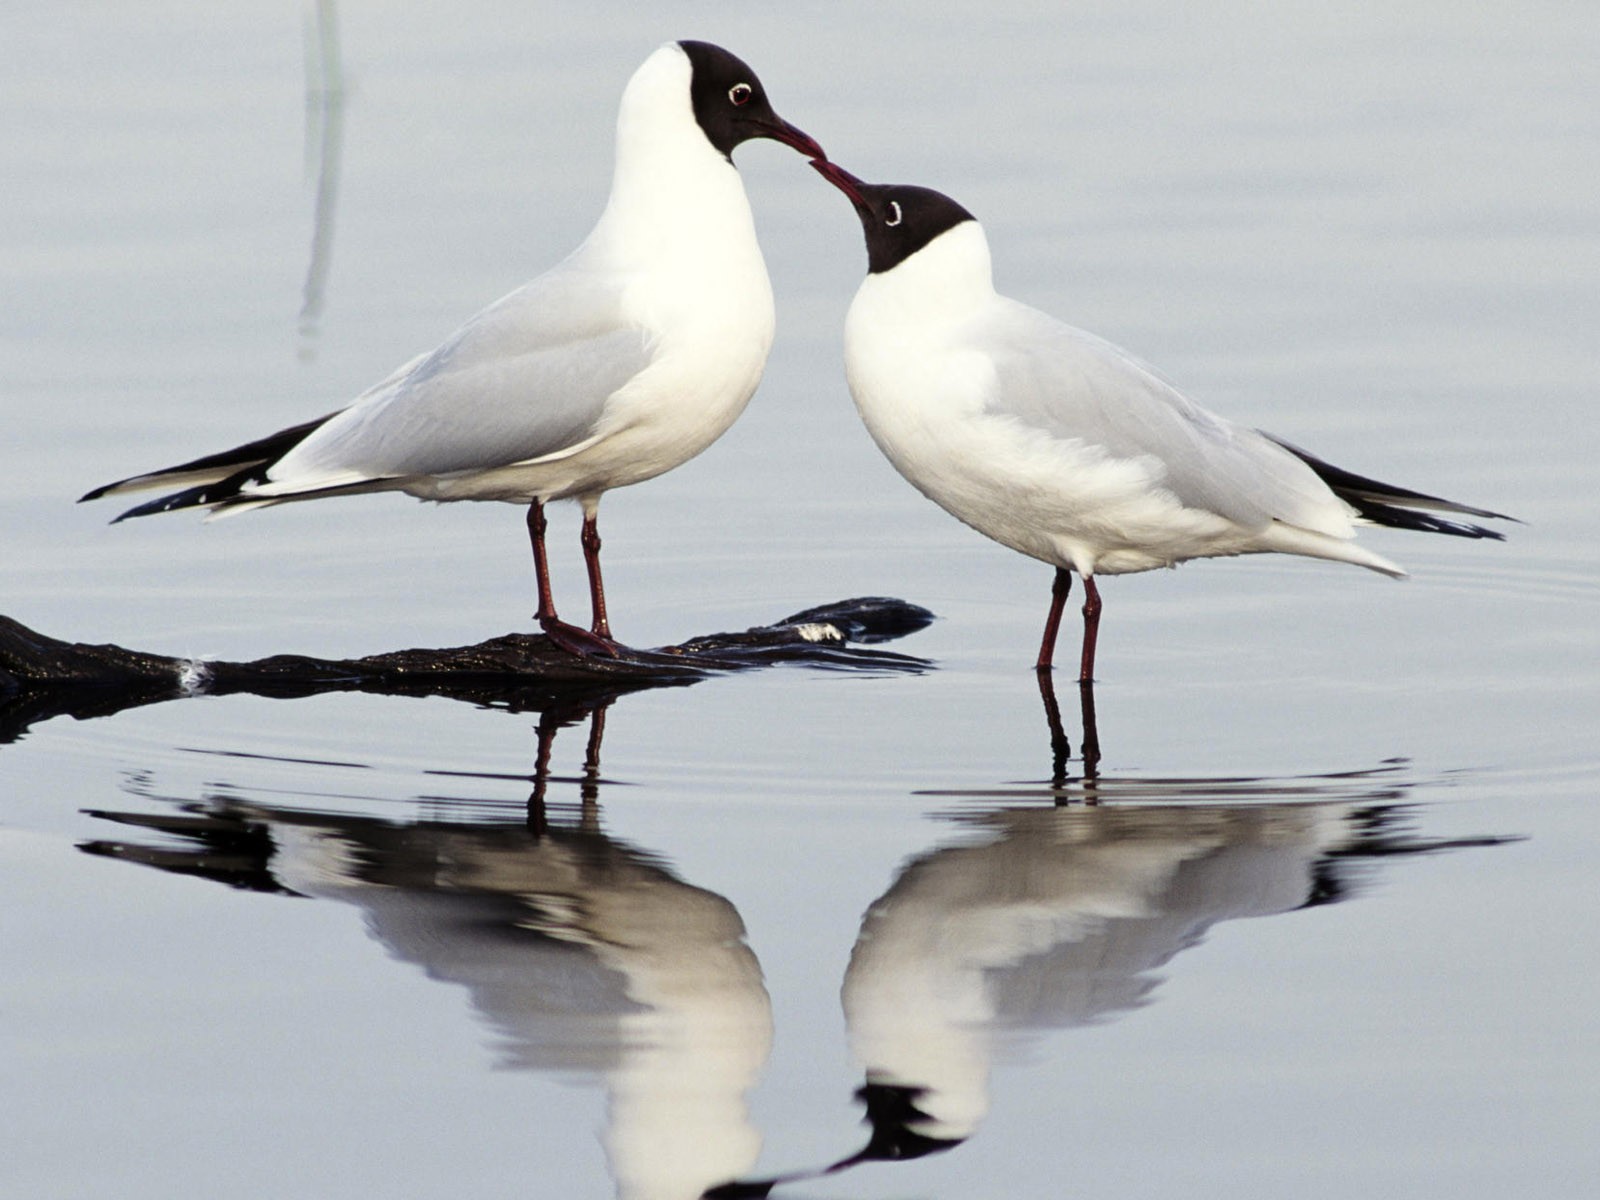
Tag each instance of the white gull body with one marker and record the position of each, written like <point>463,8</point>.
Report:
<point>1060,445</point>
<point>623,361</point>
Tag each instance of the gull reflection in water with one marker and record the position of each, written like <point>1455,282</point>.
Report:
<point>1053,918</point>
<point>587,955</point>
<point>584,954</point>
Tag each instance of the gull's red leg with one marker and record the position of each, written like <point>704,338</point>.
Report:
<point>541,565</point>
<point>569,637</point>
<point>1060,747</point>
<point>1058,600</point>
<point>597,588</point>
<point>1091,629</point>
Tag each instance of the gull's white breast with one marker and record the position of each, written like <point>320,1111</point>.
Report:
<point>622,362</point>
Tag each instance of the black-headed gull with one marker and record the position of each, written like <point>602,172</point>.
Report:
<point>1060,445</point>
<point>625,360</point>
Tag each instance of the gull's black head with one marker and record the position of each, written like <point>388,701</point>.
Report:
<point>898,219</point>
<point>731,106</point>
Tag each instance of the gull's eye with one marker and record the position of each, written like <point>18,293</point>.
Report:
<point>740,93</point>
<point>894,217</point>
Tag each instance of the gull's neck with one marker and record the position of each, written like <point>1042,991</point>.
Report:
<point>675,199</point>
<point>948,280</point>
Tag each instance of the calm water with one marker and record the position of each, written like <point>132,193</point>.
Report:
<point>256,948</point>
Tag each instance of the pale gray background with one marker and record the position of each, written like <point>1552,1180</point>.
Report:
<point>1373,229</point>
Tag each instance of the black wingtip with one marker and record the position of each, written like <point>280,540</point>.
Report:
<point>1387,504</point>
<point>205,495</point>
<point>150,508</point>
<point>237,464</point>
<point>1396,517</point>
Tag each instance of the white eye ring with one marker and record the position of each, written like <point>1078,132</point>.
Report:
<point>740,93</point>
<point>894,217</point>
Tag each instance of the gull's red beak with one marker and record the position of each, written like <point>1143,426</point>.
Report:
<point>780,130</point>
<point>843,180</point>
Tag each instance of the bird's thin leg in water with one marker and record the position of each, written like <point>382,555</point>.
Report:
<point>1091,735</point>
<point>597,588</point>
<point>1091,628</point>
<point>1058,601</point>
<point>1060,747</point>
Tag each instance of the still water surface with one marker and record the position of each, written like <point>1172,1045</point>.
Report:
<point>1329,926</point>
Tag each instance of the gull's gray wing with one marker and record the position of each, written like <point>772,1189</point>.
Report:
<point>1076,386</point>
<point>527,378</point>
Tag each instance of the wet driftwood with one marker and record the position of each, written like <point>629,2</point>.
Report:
<point>41,676</point>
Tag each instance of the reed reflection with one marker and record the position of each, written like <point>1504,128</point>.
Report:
<point>325,100</point>
<point>585,955</point>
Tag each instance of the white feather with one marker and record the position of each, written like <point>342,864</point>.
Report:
<point>1058,444</point>
<point>623,361</point>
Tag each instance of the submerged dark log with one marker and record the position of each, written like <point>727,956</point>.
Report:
<point>41,677</point>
